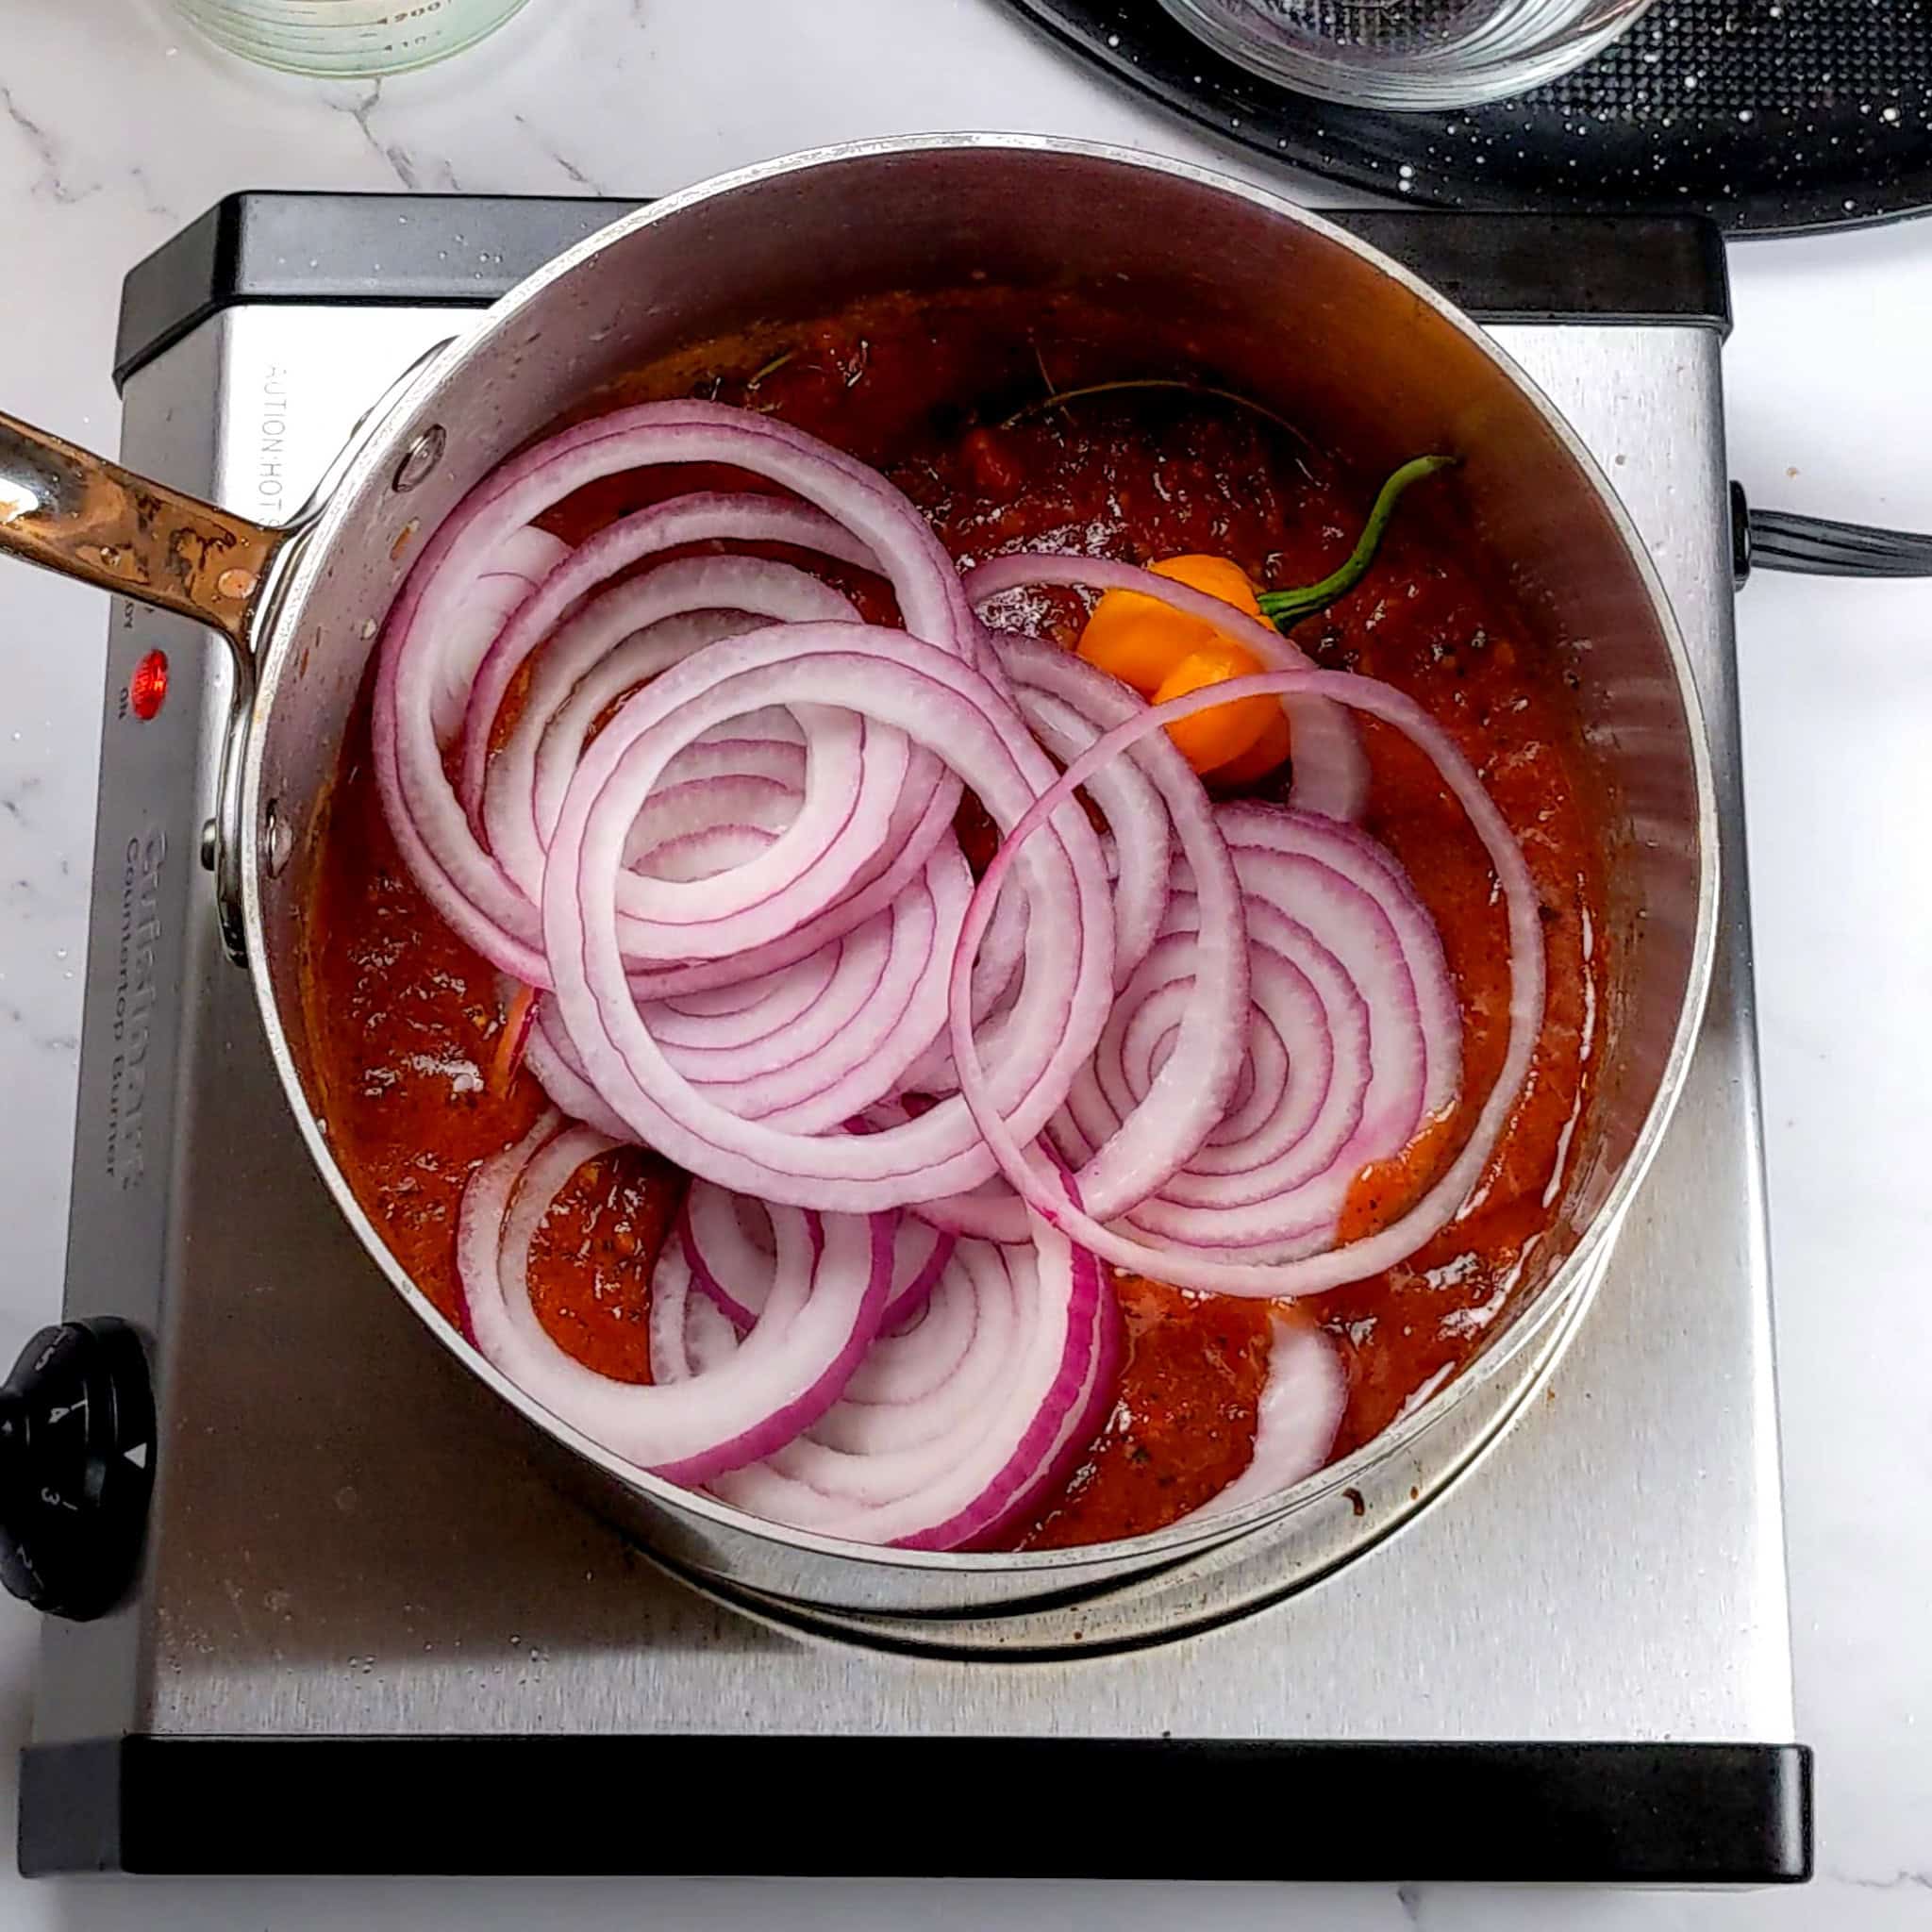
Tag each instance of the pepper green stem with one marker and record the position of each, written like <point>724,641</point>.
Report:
<point>1286,609</point>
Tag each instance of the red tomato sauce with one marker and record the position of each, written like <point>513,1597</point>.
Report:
<point>405,1020</point>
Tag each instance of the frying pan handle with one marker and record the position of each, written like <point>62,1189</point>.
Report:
<point>1815,546</point>
<point>90,519</point>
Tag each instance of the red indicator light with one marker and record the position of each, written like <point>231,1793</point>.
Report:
<point>147,690</point>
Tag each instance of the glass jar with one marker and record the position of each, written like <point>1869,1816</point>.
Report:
<point>346,38</point>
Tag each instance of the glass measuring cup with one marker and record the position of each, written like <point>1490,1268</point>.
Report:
<point>346,37</point>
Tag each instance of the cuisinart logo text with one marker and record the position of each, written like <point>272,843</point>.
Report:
<point>134,1006</point>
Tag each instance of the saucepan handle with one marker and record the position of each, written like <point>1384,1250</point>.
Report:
<point>90,519</point>
<point>1816,546</point>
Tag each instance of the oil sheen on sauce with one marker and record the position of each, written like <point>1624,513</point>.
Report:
<point>407,1019</point>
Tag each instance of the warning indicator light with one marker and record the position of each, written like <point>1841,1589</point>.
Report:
<point>147,690</point>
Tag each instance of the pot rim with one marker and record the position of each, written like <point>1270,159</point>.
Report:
<point>274,653</point>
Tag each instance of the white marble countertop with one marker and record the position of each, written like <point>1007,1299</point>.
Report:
<point>117,126</point>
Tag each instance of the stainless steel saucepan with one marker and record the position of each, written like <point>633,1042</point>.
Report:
<point>1294,311</point>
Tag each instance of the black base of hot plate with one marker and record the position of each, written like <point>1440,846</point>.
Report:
<point>1049,1807</point>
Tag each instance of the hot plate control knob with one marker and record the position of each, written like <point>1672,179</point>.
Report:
<point>77,1464</point>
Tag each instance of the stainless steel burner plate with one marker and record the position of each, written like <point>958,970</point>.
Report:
<point>349,1541</point>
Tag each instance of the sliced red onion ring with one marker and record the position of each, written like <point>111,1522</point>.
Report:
<point>620,639</point>
<point>1144,1029</point>
<point>934,697</point>
<point>769,749</point>
<point>598,615</point>
<point>815,1043</point>
<point>750,1013</point>
<point>729,1244</point>
<point>766,744</point>
<point>916,1383</point>
<point>1309,1036</point>
<point>1300,1413</point>
<point>924,1394</point>
<point>689,1334</point>
<point>828,1289</point>
<point>1259,834</point>
<point>954,1429</point>
<point>913,1386</point>
<point>684,906</point>
<point>706,853</point>
<point>1190,1092</point>
<point>1361,969</point>
<point>1361,963</point>
<point>1306,1022</point>
<point>681,816</point>
<point>984,1213</point>
<point>920,824</point>
<point>1445,1197</point>
<point>731,1257</point>
<point>883,1004</point>
<point>522,561</point>
<point>854,774</point>
<point>995,985</point>
<point>471,890</point>
<point>1069,704</point>
<point>553,1063</point>
<point>1331,774</point>
<point>920,1255</point>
